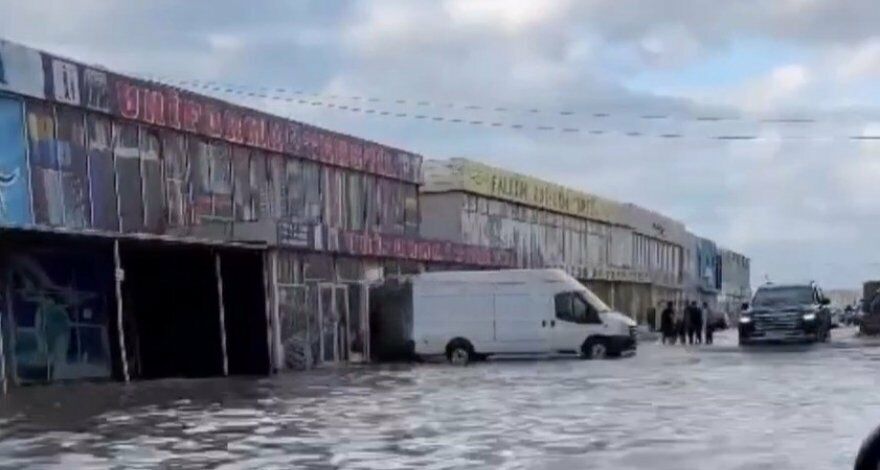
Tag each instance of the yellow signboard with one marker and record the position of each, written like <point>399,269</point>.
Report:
<point>500,184</point>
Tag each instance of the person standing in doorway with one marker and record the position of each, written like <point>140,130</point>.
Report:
<point>667,324</point>
<point>710,320</point>
<point>651,318</point>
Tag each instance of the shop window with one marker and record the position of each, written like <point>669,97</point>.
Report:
<point>59,316</point>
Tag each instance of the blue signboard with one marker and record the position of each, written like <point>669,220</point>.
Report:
<point>15,209</point>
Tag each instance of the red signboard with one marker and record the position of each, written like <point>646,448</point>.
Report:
<point>165,106</point>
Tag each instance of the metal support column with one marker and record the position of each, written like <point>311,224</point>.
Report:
<point>274,321</point>
<point>119,275</point>
<point>222,309</point>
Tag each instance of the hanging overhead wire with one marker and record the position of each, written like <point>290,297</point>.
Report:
<point>318,100</point>
<point>264,91</point>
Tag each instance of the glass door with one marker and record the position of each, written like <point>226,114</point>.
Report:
<point>358,322</point>
<point>329,322</point>
<point>342,334</point>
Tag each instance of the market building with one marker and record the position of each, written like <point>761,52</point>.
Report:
<point>148,231</point>
<point>735,281</point>
<point>628,255</point>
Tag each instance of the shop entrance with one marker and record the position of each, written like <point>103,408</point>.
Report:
<point>342,311</point>
<point>192,311</point>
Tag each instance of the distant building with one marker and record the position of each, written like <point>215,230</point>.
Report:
<point>735,281</point>
<point>630,256</point>
<point>843,297</point>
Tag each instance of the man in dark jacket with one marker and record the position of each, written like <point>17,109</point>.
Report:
<point>695,323</point>
<point>667,324</point>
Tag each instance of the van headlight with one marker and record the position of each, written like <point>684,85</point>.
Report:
<point>745,319</point>
<point>809,316</point>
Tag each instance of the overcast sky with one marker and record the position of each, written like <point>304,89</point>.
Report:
<point>803,201</point>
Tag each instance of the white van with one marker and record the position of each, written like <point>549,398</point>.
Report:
<point>466,315</point>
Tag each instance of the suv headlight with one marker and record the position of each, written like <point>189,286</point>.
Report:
<point>809,316</point>
<point>744,319</point>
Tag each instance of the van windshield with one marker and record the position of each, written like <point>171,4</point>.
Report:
<point>594,300</point>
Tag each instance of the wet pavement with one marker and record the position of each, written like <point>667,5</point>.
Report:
<point>669,407</point>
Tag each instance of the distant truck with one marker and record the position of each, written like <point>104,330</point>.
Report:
<point>468,315</point>
<point>786,312</point>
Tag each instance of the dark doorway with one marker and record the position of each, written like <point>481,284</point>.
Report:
<point>247,335</point>
<point>171,310</point>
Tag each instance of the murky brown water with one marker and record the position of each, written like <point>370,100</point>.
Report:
<point>666,408</point>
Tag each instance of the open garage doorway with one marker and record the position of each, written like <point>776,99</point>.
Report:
<point>176,322</point>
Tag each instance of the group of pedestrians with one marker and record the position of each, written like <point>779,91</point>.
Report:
<point>687,326</point>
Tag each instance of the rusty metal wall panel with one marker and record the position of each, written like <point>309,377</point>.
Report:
<point>221,180</point>
<point>73,167</point>
<point>153,182</point>
<point>45,175</point>
<point>242,192</point>
<point>128,177</point>
<point>177,180</point>
<point>101,174</point>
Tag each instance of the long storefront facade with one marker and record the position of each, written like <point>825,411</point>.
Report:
<point>147,231</point>
<point>629,256</point>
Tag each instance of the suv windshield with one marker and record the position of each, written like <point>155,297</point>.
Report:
<point>767,296</point>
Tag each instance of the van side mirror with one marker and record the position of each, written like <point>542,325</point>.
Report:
<point>825,301</point>
<point>745,306</point>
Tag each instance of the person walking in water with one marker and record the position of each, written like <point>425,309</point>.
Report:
<point>667,324</point>
<point>680,324</point>
<point>709,320</point>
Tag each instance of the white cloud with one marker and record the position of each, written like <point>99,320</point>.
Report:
<point>861,62</point>
<point>512,16</point>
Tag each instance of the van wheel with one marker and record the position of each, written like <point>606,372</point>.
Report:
<point>460,352</point>
<point>595,348</point>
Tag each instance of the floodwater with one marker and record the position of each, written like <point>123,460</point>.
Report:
<point>669,407</point>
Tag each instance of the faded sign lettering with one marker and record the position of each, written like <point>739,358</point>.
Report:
<point>395,246</point>
<point>65,79</point>
<point>96,90</point>
<point>165,106</point>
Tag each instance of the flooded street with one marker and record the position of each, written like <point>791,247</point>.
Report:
<point>667,408</point>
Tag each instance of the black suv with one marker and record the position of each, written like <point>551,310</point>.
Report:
<point>786,312</point>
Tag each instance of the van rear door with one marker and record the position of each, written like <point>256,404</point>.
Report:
<point>518,324</point>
